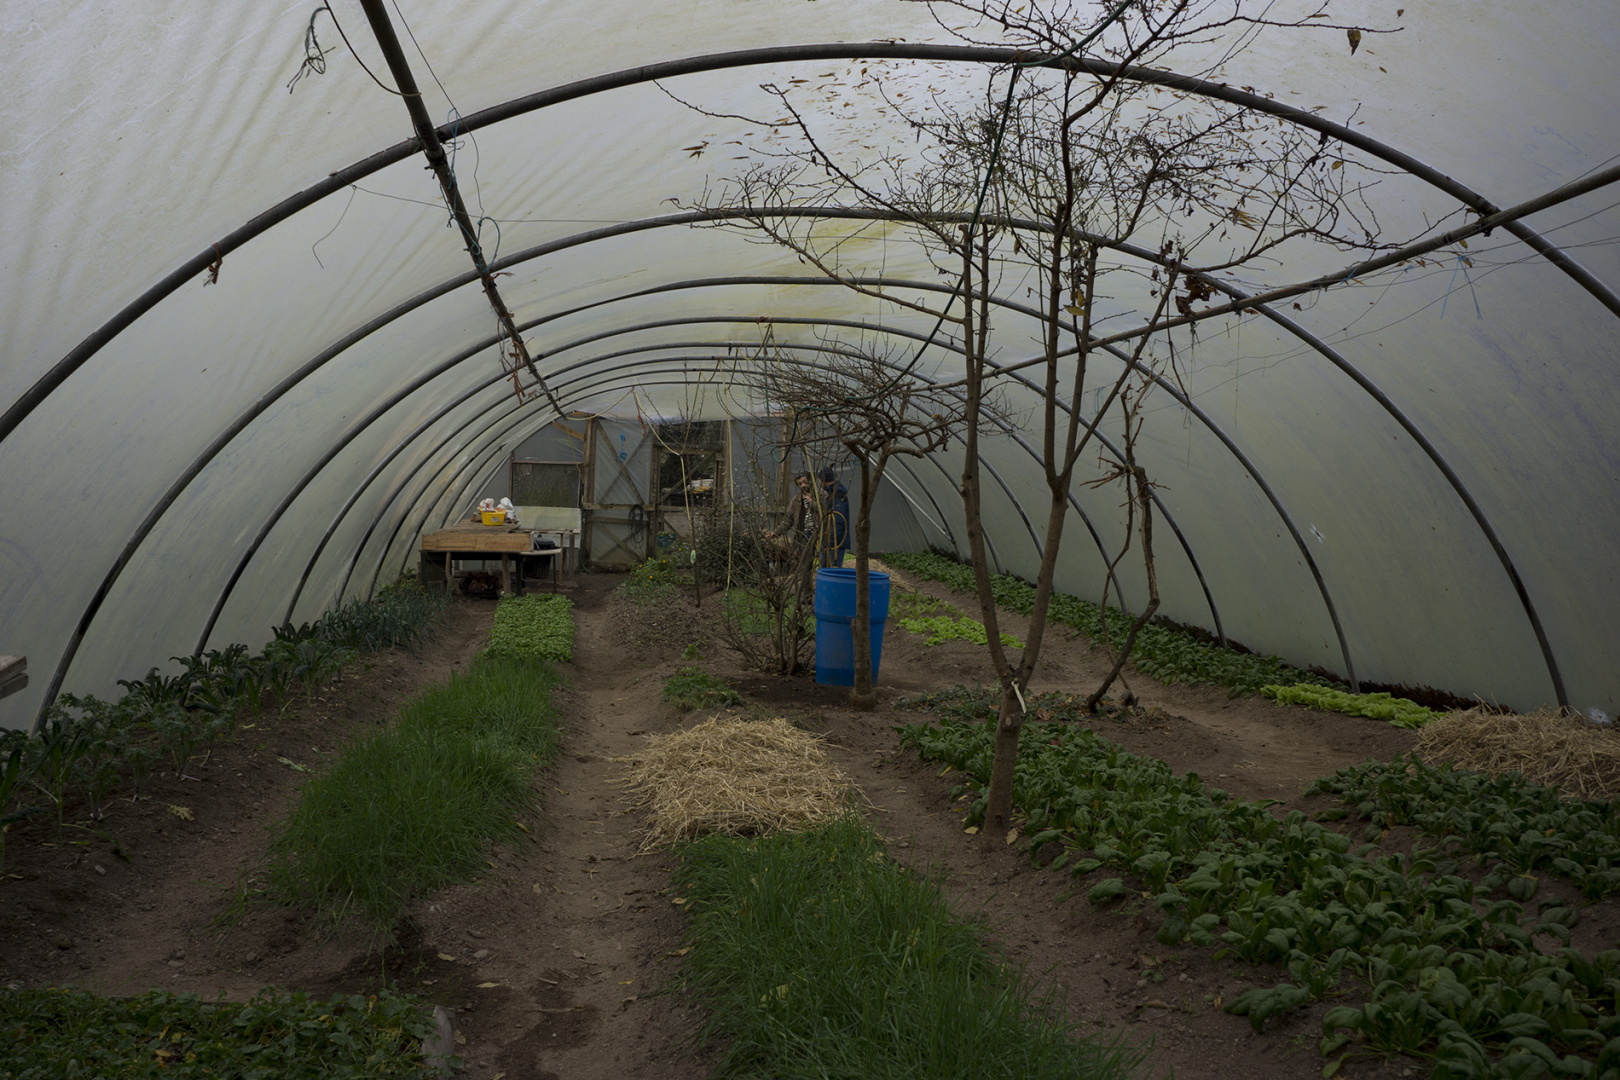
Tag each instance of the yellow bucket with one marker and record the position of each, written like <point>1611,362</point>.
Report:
<point>494,517</point>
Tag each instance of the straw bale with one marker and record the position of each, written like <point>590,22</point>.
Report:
<point>1579,758</point>
<point>734,776</point>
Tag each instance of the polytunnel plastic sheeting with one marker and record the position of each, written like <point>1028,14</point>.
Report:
<point>1424,455</point>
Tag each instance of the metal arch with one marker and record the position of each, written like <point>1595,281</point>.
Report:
<point>1016,503</point>
<point>371,528</point>
<point>1276,503</point>
<point>312,472</point>
<point>422,380</point>
<point>1260,482</point>
<point>331,352</point>
<point>1254,473</point>
<point>1164,510</point>
<point>265,401</point>
<point>944,522</point>
<point>992,55</point>
<point>20,409</point>
<point>592,387</point>
<point>310,475</point>
<point>1407,424</point>
<point>201,462</point>
<point>1379,397</point>
<point>376,471</point>
<point>455,282</point>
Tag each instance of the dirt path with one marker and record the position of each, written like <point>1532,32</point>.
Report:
<point>576,928</point>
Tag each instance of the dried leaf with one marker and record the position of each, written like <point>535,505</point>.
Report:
<point>1355,40</point>
<point>181,812</point>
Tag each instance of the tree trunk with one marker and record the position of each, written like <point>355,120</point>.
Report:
<point>998,811</point>
<point>862,697</point>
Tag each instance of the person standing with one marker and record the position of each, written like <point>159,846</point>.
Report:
<point>799,516</point>
<point>835,518</point>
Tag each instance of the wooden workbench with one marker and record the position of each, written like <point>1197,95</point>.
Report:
<point>474,540</point>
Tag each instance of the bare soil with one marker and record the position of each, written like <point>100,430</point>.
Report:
<point>552,962</point>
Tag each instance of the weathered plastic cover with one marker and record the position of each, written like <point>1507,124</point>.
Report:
<point>186,461</point>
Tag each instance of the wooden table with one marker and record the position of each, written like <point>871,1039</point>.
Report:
<point>474,540</point>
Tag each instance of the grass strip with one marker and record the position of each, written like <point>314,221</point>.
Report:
<point>1398,711</point>
<point>1453,973</point>
<point>693,688</point>
<point>54,1033</point>
<point>819,957</point>
<point>412,807</point>
<point>533,627</point>
<point>1166,654</point>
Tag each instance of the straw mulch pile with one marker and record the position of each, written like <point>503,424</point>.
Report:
<point>1579,758</point>
<point>734,776</point>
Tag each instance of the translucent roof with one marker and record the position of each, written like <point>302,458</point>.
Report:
<point>245,356</point>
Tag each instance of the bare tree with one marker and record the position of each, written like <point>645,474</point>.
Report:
<point>857,400</point>
<point>1108,193</point>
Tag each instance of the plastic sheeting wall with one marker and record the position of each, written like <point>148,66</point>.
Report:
<point>185,462</point>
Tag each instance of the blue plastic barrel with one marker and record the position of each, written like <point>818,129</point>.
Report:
<point>835,616</point>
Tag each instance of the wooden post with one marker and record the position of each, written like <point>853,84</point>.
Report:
<point>506,574</point>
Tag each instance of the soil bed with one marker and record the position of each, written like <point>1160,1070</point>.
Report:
<point>553,960</point>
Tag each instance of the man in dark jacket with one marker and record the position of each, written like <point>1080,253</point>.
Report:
<point>835,521</point>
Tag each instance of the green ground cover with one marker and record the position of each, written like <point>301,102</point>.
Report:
<point>1448,969</point>
<point>56,1034</point>
<point>1166,654</point>
<point>1398,711</point>
<point>533,627</point>
<point>943,628</point>
<point>819,957</point>
<point>89,749</point>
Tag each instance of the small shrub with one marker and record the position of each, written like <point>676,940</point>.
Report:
<point>651,577</point>
<point>693,688</point>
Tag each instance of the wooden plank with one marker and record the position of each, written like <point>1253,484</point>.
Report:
<point>13,674</point>
<point>491,538</point>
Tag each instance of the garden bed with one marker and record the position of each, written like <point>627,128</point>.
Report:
<point>550,962</point>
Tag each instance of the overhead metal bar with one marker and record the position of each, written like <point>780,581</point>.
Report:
<point>439,162</point>
<point>888,331</point>
<point>638,377</point>
<point>196,264</point>
<point>1590,183</point>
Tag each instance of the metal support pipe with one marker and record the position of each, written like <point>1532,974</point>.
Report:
<point>439,162</point>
